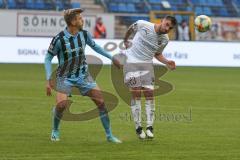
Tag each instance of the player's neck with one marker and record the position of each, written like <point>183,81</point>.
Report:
<point>72,30</point>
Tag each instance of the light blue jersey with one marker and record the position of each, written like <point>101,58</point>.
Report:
<point>72,67</point>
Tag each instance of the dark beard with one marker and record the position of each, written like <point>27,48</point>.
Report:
<point>159,32</point>
<point>80,28</point>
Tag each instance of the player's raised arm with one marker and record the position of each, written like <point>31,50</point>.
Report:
<point>131,31</point>
<point>170,64</point>
<point>100,50</point>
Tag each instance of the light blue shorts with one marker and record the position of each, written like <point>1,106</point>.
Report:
<point>83,84</point>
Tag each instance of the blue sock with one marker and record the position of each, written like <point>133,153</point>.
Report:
<point>105,122</point>
<point>56,119</point>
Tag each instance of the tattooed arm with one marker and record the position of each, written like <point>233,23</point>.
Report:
<point>131,31</point>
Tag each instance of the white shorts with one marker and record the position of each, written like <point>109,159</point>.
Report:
<point>139,75</point>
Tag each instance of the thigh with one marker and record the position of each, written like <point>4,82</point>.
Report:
<point>136,92</point>
<point>148,93</point>
<point>96,95</point>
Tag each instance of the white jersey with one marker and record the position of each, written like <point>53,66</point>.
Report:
<point>146,43</point>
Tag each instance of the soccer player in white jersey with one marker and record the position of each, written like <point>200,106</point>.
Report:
<point>149,41</point>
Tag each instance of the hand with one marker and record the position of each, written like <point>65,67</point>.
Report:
<point>49,86</point>
<point>127,44</point>
<point>171,65</point>
<point>116,63</point>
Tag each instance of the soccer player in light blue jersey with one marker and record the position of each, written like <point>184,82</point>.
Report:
<point>69,46</point>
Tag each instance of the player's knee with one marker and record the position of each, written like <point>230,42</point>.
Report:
<point>149,97</point>
<point>62,105</point>
<point>136,94</point>
<point>100,103</point>
<point>148,94</point>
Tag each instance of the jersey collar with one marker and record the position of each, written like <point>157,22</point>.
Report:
<point>67,34</point>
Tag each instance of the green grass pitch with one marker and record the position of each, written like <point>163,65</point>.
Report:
<point>200,119</point>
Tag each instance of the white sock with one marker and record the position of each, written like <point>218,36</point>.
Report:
<point>150,109</point>
<point>136,111</point>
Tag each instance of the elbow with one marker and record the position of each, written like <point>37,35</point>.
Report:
<point>48,59</point>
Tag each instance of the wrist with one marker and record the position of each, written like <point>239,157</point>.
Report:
<point>165,61</point>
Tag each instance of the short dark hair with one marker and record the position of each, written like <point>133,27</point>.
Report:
<point>70,14</point>
<point>172,19</point>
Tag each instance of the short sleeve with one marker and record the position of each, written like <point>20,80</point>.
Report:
<point>54,46</point>
<point>139,24</point>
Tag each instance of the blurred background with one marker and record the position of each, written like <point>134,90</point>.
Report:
<point>38,17</point>
<point>32,23</point>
